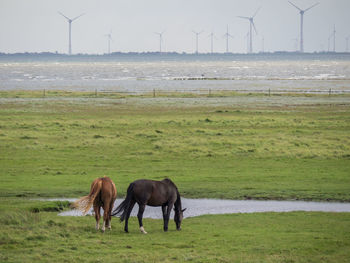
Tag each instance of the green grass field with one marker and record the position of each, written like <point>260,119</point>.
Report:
<point>240,147</point>
<point>261,237</point>
<point>55,148</point>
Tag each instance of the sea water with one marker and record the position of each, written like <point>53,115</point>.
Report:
<point>140,74</point>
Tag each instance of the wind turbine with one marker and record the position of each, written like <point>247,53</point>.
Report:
<point>160,39</point>
<point>227,35</point>
<point>263,44</point>
<point>347,43</point>
<point>295,40</point>
<point>332,35</point>
<point>301,12</point>
<point>251,25</point>
<point>70,31</point>
<point>212,36</point>
<point>197,34</point>
<point>109,36</point>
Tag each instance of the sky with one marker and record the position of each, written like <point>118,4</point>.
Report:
<point>36,26</point>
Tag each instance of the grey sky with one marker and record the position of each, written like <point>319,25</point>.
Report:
<point>35,25</point>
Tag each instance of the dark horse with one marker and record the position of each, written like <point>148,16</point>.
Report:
<point>102,194</point>
<point>153,193</point>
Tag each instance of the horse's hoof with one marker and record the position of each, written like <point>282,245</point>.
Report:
<point>143,230</point>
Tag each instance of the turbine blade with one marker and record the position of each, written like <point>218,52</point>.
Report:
<point>244,17</point>
<point>256,32</point>
<point>311,7</point>
<point>256,12</point>
<point>63,15</point>
<point>295,6</point>
<point>78,16</point>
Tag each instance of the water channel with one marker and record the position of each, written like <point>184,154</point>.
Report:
<point>197,207</point>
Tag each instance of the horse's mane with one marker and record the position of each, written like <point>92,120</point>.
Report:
<point>168,181</point>
<point>178,201</point>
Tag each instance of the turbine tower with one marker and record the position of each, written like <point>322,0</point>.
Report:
<point>347,43</point>
<point>301,12</point>
<point>251,25</point>
<point>160,40</point>
<point>212,36</point>
<point>197,34</point>
<point>109,36</point>
<point>295,40</point>
<point>332,35</point>
<point>227,35</point>
<point>334,38</point>
<point>70,31</point>
<point>263,44</point>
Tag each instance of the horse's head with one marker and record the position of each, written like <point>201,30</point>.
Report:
<point>178,218</point>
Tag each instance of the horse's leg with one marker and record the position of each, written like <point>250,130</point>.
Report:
<point>139,216</point>
<point>109,214</point>
<point>165,227</point>
<point>105,216</point>
<point>131,206</point>
<point>167,216</point>
<point>97,215</point>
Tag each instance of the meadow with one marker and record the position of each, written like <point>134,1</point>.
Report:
<point>248,146</point>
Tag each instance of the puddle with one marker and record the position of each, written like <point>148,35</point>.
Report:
<point>197,207</point>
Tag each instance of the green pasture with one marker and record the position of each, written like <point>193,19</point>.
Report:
<point>56,147</point>
<point>260,237</point>
<point>236,147</point>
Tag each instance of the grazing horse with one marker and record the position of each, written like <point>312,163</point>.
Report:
<point>153,193</point>
<point>102,194</point>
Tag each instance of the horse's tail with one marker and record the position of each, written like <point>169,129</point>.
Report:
<point>84,203</point>
<point>125,205</point>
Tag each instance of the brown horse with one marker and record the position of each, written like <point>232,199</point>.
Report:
<point>102,194</point>
<point>153,193</point>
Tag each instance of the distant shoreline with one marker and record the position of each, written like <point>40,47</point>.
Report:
<point>173,56</point>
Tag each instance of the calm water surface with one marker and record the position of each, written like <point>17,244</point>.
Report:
<point>197,207</point>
